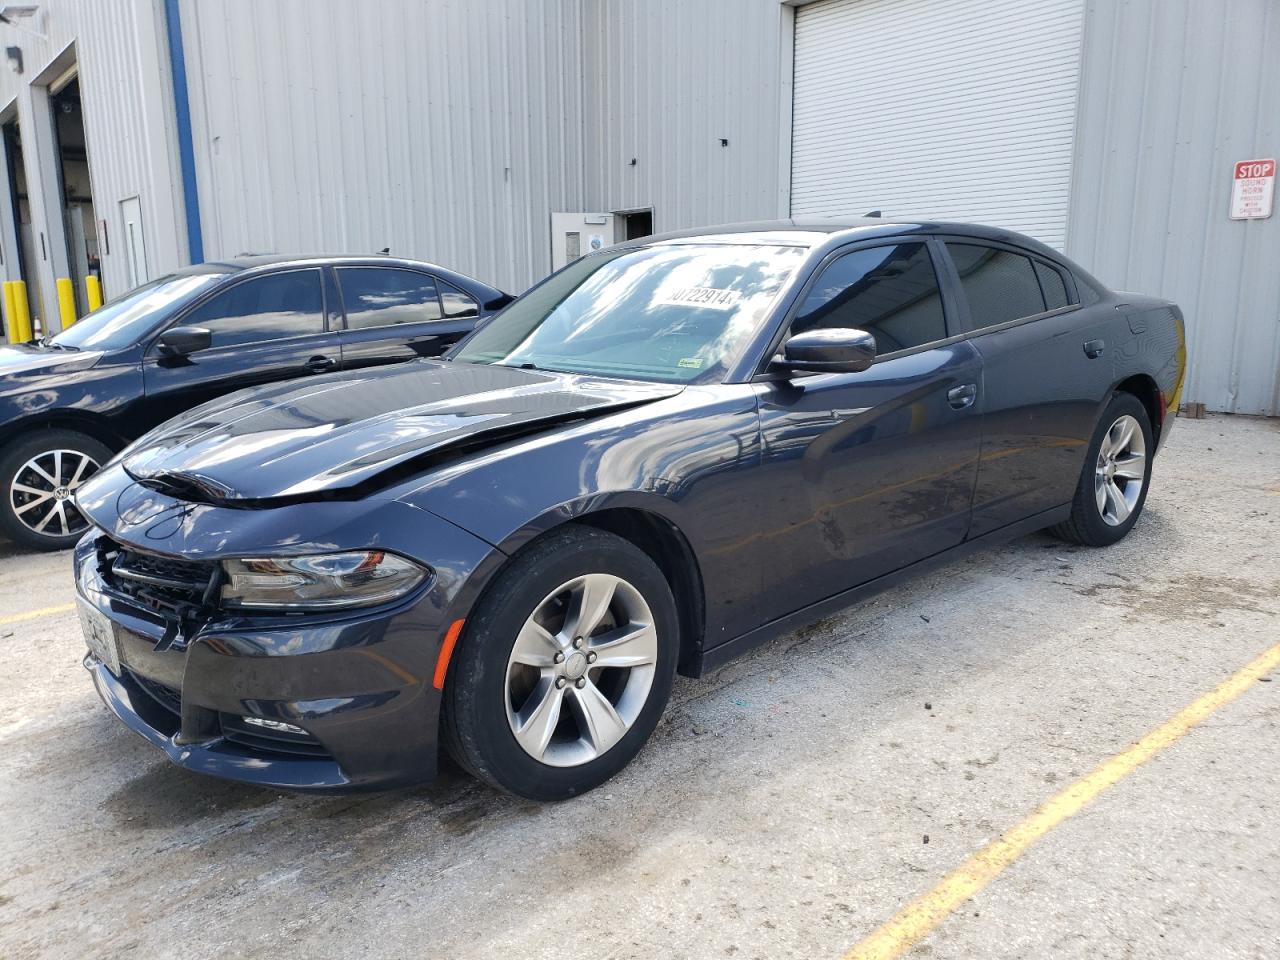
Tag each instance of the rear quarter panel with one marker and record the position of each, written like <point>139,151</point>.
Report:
<point>1151,340</point>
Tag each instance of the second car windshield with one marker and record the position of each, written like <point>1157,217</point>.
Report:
<point>126,320</point>
<point>677,313</point>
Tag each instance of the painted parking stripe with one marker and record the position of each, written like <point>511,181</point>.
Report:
<point>918,919</point>
<point>36,614</point>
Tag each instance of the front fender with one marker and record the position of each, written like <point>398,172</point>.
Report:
<point>691,460</point>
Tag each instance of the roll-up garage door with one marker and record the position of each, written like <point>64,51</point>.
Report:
<point>946,109</point>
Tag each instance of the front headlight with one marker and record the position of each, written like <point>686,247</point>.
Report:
<point>329,581</point>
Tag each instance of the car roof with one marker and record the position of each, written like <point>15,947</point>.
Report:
<point>263,261</point>
<point>811,232</point>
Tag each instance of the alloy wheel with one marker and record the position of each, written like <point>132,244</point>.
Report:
<point>42,495</point>
<point>581,669</point>
<point>1121,470</point>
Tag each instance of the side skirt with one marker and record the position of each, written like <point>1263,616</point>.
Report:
<point>717,657</point>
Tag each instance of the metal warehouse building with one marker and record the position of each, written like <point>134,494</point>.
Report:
<point>502,137</point>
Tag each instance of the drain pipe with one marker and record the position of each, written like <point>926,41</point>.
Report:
<point>186,150</point>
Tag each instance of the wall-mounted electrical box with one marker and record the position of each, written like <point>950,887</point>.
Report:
<point>574,235</point>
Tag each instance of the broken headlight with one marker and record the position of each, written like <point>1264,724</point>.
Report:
<point>330,581</point>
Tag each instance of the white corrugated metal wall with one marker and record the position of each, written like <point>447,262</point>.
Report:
<point>664,81</point>
<point>1173,93</point>
<point>937,108</point>
<point>122,54</point>
<point>444,130</point>
<point>451,130</point>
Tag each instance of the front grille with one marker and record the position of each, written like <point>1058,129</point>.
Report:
<point>261,740</point>
<point>173,588</point>
<point>167,697</point>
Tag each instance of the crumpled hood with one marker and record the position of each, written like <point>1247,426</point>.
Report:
<point>317,437</point>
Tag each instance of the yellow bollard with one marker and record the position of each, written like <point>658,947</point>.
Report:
<point>10,312</point>
<point>66,301</point>
<point>22,313</point>
<point>92,292</point>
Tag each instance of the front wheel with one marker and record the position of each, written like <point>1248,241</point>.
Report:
<point>564,668</point>
<point>39,476</point>
<point>1117,472</point>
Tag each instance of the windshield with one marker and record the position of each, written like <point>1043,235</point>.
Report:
<point>674,314</point>
<point>125,321</point>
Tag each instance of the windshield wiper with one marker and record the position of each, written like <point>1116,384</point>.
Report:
<point>49,344</point>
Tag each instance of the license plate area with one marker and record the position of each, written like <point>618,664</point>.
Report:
<point>100,636</point>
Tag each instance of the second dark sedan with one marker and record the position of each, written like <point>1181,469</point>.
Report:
<point>663,455</point>
<point>69,402</point>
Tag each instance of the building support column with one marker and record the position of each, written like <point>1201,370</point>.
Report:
<point>10,249</point>
<point>42,166</point>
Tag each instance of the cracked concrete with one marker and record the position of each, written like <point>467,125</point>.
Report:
<point>780,810</point>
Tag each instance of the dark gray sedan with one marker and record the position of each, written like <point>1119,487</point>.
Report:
<point>660,457</point>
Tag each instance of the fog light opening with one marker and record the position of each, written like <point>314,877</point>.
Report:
<point>279,726</point>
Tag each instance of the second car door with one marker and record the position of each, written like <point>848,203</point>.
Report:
<point>263,329</point>
<point>869,472</point>
<point>1046,371</point>
<point>394,314</point>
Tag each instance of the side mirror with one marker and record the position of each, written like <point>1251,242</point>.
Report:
<point>831,350</point>
<point>181,341</point>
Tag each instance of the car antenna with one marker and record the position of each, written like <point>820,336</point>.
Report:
<point>873,213</point>
<point>385,251</point>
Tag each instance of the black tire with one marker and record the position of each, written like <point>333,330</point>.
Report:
<point>1087,525</point>
<point>17,480</point>
<point>477,732</point>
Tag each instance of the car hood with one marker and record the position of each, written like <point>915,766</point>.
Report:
<point>346,433</point>
<point>26,360</point>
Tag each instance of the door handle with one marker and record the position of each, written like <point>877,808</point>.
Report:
<point>963,395</point>
<point>321,364</point>
<point>1093,348</point>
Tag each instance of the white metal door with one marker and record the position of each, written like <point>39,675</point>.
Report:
<point>135,244</point>
<point>945,109</point>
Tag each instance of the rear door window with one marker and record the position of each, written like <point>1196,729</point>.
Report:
<point>272,307</point>
<point>1053,286</point>
<point>999,285</point>
<point>457,305</point>
<point>383,296</point>
<point>890,292</point>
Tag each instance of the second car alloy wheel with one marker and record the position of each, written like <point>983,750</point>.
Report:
<point>42,494</point>
<point>581,669</point>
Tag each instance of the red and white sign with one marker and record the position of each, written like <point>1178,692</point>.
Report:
<point>1253,190</point>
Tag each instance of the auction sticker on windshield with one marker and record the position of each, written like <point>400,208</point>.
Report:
<point>100,636</point>
<point>702,297</point>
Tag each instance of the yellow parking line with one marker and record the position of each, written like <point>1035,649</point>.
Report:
<point>917,920</point>
<point>36,614</point>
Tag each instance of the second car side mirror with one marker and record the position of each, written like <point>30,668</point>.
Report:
<point>829,350</point>
<point>181,341</point>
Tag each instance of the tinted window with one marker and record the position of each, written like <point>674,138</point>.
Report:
<point>890,292</point>
<point>999,285</point>
<point>381,296</point>
<point>1052,285</point>
<point>137,313</point>
<point>456,303</point>
<point>265,308</point>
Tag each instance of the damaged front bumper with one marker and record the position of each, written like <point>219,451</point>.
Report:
<point>303,702</point>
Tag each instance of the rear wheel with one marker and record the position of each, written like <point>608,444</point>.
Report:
<point>565,666</point>
<point>39,476</point>
<point>1117,471</point>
